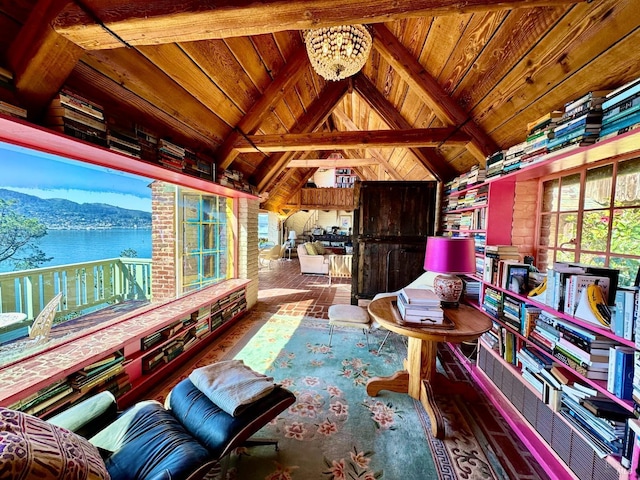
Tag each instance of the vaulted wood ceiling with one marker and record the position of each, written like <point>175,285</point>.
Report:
<point>446,84</point>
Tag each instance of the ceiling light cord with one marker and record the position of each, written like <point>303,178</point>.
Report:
<point>96,19</point>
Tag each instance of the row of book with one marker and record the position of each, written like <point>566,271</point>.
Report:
<point>11,110</point>
<point>476,197</point>
<point>601,420</point>
<point>105,374</point>
<point>621,110</point>
<point>84,119</point>
<point>476,175</point>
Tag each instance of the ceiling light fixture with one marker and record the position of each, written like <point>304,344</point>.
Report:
<point>338,52</point>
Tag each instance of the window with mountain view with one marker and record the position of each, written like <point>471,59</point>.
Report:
<point>91,233</point>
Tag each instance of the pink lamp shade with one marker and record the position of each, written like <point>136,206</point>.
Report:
<point>449,256</point>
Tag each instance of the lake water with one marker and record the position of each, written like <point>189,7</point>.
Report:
<point>76,246</point>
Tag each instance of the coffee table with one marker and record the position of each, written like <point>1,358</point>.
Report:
<point>419,378</point>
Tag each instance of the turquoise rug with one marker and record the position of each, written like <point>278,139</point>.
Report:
<point>334,430</point>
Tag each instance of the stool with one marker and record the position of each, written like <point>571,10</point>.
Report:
<point>350,316</point>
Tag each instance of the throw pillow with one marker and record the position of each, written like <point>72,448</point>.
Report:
<point>319,247</point>
<point>311,249</point>
<point>33,448</point>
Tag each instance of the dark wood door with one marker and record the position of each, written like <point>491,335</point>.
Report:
<point>391,224</point>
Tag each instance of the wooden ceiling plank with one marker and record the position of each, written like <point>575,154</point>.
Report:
<point>128,105</point>
<point>139,22</point>
<point>431,160</point>
<point>273,94</point>
<point>315,116</point>
<point>133,71</point>
<point>427,137</point>
<point>519,32</point>
<point>218,62</point>
<point>179,66</point>
<point>433,94</point>
<point>40,59</point>
<point>584,35</point>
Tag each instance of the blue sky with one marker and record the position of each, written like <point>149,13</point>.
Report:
<point>49,176</point>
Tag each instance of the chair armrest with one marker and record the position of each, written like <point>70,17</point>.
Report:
<point>89,416</point>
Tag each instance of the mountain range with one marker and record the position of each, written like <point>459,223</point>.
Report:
<point>61,214</point>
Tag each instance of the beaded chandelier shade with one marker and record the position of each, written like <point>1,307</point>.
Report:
<point>338,52</point>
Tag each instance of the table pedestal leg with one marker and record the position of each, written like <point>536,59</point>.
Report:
<point>421,381</point>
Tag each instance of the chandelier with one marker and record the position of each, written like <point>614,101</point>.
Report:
<point>338,52</point>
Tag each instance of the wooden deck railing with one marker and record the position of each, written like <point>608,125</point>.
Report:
<point>83,285</point>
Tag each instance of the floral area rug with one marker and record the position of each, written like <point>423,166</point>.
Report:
<point>335,430</point>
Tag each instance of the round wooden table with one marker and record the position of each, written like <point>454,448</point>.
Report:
<point>419,378</point>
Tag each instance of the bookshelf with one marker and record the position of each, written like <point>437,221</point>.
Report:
<point>565,450</point>
<point>146,347</point>
<point>345,178</point>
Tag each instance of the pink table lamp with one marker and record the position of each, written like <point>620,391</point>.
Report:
<point>450,257</point>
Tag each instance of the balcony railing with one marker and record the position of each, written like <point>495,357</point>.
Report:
<point>84,286</point>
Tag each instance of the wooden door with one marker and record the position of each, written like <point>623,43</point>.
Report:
<point>391,224</point>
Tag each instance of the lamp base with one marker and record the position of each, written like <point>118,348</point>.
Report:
<point>448,288</point>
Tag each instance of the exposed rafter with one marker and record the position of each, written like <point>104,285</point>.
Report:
<point>293,142</point>
<point>40,59</point>
<point>430,158</point>
<point>138,22</point>
<point>316,114</point>
<point>330,162</point>
<point>375,153</point>
<point>446,109</point>
<point>272,95</point>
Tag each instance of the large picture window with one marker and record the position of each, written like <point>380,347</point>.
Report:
<point>205,240</point>
<point>592,216</point>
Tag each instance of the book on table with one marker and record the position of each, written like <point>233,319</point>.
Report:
<point>419,297</point>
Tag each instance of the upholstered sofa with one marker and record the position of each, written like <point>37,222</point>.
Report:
<point>316,263</point>
<point>93,440</point>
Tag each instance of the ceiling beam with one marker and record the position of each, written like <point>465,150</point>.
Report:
<point>316,114</point>
<point>294,142</point>
<point>430,91</point>
<point>431,159</point>
<point>40,59</point>
<point>384,164</point>
<point>331,162</point>
<point>118,23</point>
<point>288,76</point>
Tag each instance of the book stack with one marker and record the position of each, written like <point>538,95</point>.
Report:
<point>493,254</point>
<point>495,163</point>
<point>492,302</point>
<point>97,373</point>
<point>123,141</point>
<point>621,371</point>
<point>148,141</point>
<point>420,306</point>
<point>476,175</point>
<point>197,166</point>
<point>536,370</point>
<point>621,110</point>
<point>538,134</point>
<point>6,79</point>
<point>171,155</point>
<point>78,117</point>
<point>12,110</point>
<point>580,123</point>
<point>511,312</point>
<point>45,400</point>
<point>605,435</point>
<point>513,157</point>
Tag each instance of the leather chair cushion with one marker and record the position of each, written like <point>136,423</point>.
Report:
<point>146,441</point>
<point>215,428</point>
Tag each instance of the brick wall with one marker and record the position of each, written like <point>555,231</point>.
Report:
<point>163,241</point>
<point>523,230</point>
<point>248,246</point>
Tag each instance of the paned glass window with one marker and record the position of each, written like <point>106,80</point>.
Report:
<point>592,216</point>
